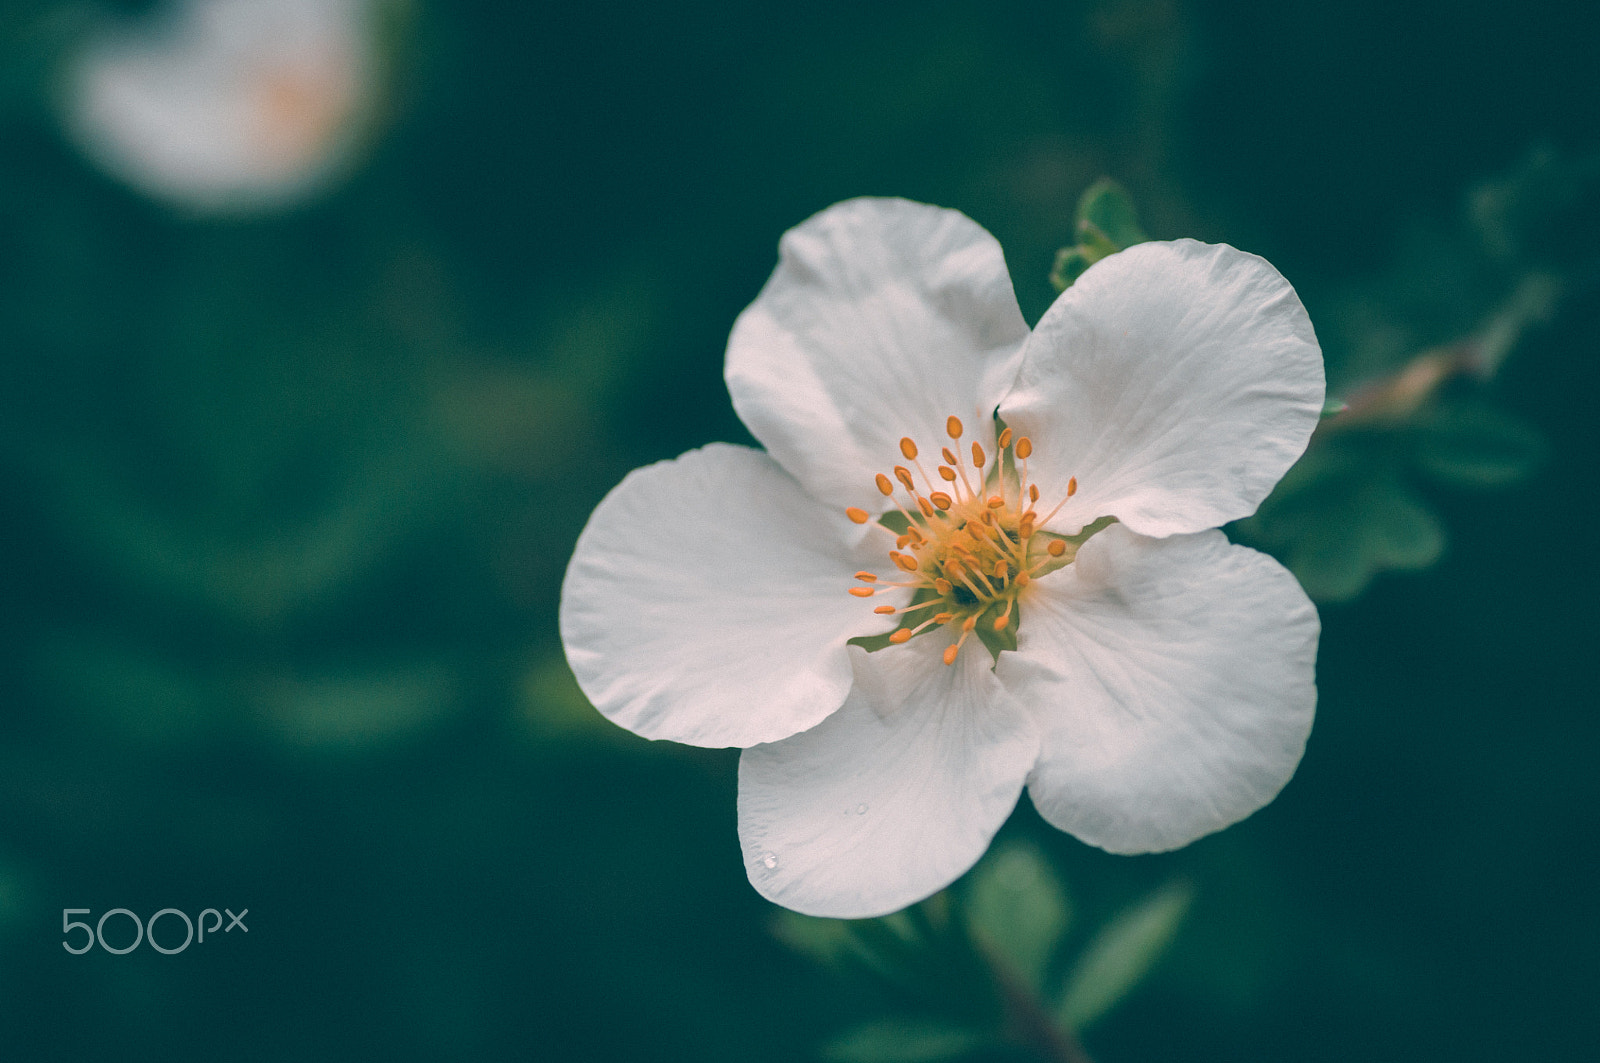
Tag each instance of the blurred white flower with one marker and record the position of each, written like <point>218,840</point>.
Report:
<point>1162,685</point>
<point>227,105</point>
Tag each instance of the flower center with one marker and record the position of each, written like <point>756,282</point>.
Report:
<point>969,544</point>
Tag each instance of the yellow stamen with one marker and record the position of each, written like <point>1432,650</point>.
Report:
<point>885,610</point>
<point>1072,486</point>
<point>1056,548</point>
<point>977,456</point>
<point>903,635</point>
<point>947,474</point>
<point>860,516</point>
<point>942,500</point>
<point>1024,448</point>
<point>908,448</point>
<point>953,426</point>
<point>885,485</point>
<point>867,577</point>
<point>862,592</point>
<point>1005,439</point>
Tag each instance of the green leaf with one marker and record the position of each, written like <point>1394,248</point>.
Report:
<point>1474,445</point>
<point>1017,908</point>
<point>1107,222</point>
<point>905,1041</point>
<point>1121,954</point>
<point>1107,208</point>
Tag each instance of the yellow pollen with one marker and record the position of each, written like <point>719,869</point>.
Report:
<point>942,500</point>
<point>1056,548</point>
<point>946,473</point>
<point>953,426</point>
<point>1024,448</point>
<point>860,516</point>
<point>908,448</point>
<point>862,592</point>
<point>885,485</point>
<point>1005,439</point>
<point>903,635</point>
<point>977,456</point>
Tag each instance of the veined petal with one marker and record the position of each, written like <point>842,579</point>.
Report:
<point>892,797</point>
<point>706,602</point>
<point>1176,381</point>
<point>883,318</point>
<point>1173,682</point>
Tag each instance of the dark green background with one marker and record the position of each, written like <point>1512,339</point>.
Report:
<point>287,500</point>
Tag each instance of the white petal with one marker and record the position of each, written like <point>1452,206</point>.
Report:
<point>883,318</point>
<point>1177,381</point>
<point>1174,683</point>
<point>894,796</point>
<point>706,602</point>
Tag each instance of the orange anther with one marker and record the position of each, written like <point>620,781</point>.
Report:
<point>950,654</point>
<point>860,516</point>
<point>1001,568</point>
<point>947,474</point>
<point>1056,548</point>
<point>995,502</point>
<point>924,505</point>
<point>903,474</point>
<point>1072,486</point>
<point>903,635</point>
<point>949,456</point>
<point>907,562</point>
<point>866,577</point>
<point>884,609</point>
<point>942,500</point>
<point>970,622</point>
<point>908,448</point>
<point>1023,578</point>
<point>1005,439</point>
<point>952,425</point>
<point>902,540</point>
<point>861,592</point>
<point>885,485</point>
<point>1024,448</point>
<point>943,618</point>
<point>977,456</point>
<point>1033,492</point>
<point>1001,621</point>
<point>942,585</point>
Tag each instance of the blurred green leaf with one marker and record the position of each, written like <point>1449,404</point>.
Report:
<point>1475,445</point>
<point>1017,907</point>
<point>1121,954</point>
<point>1107,222</point>
<point>904,1041</point>
<point>1106,210</point>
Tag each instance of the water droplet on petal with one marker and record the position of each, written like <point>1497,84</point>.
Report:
<point>769,861</point>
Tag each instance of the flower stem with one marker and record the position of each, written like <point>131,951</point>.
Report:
<point>1036,1027</point>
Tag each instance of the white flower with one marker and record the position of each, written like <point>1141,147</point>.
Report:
<point>226,105</point>
<point>1162,683</point>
